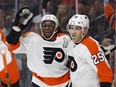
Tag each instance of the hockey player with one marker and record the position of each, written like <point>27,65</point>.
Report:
<point>88,65</point>
<point>46,53</point>
<point>9,73</point>
<point>110,13</point>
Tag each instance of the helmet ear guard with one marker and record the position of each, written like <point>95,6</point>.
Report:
<point>49,17</point>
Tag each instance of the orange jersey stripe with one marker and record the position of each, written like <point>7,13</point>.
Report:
<point>13,47</point>
<point>24,35</point>
<point>104,72</point>
<point>13,72</point>
<point>11,67</point>
<point>53,81</point>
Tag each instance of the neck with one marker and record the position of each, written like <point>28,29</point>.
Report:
<point>53,38</point>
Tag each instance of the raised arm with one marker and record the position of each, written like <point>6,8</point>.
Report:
<point>22,18</point>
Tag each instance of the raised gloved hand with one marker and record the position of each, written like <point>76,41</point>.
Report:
<point>23,16</point>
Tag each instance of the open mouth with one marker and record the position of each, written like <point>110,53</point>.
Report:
<point>47,32</point>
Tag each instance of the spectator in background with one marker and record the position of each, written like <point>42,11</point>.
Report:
<point>107,45</point>
<point>110,13</point>
<point>88,4</point>
<point>81,8</point>
<point>1,18</point>
<point>69,2</point>
<point>4,30</point>
<point>6,21</point>
<point>63,15</point>
<point>44,6</point>
<point>41,11</point>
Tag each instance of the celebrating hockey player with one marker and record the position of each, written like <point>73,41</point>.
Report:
<point>88,65</point>
<point>9,73</point>
<point>46,53</point>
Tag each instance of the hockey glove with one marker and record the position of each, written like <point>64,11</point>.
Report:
<point>23,16</point>
<point>105,84</point>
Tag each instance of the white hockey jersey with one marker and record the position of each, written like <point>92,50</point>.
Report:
<point>88,65</point>
<point>47,60</point>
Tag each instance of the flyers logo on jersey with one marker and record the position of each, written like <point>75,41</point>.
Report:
<point>72,64</point>
<point>52,54</point>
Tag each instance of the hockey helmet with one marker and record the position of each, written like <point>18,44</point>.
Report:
<point>49,17</point>
<point>79,20</point>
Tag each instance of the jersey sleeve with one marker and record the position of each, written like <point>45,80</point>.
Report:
<point>96,59</point>
<point>25,42</point>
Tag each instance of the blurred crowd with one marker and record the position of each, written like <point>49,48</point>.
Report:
<point>100,28</point>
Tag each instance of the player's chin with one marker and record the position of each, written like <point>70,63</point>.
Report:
<point>47,35</point>
<point>75,40</point>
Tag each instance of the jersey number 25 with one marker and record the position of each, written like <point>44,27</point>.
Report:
<point>97,58</point>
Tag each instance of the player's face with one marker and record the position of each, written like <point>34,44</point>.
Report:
<point>48,28</point>
<point>75,33</point>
